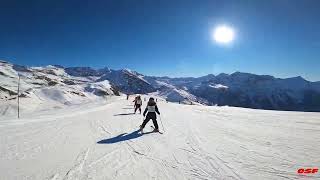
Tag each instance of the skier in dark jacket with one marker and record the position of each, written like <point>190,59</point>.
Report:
<point>152,109</point>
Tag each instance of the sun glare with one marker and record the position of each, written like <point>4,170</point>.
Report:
<point>223,34</point>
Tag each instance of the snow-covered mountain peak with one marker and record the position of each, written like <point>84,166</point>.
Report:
<point>127,70</point>
<point>237,89</point>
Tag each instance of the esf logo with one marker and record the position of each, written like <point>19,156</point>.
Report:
<point>307,170</point>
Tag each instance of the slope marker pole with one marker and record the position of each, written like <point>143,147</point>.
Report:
<point>18,96</point>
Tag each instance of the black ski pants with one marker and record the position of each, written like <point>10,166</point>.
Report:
<point>153,116</point>
<point>137,106</point>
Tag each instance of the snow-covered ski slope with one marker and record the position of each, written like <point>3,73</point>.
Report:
<point>199,142</point>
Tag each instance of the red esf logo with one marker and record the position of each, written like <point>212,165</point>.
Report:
<point>307,170</point>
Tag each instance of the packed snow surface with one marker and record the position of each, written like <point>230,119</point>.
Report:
<point>100,141</point>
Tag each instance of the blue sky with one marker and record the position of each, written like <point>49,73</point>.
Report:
<point>162,37</point>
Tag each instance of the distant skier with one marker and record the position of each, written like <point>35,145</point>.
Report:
<point>135,99</point>
<point>152,109</point>
<point>137,104</point>
<point>127,96</point>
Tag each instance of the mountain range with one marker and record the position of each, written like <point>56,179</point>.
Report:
<point>237,89</point>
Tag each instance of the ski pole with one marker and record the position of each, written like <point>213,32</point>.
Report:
<point>162,124</point>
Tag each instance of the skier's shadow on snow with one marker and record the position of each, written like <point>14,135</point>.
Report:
<point>123,114</point>
<point>127,108</point>
<point>123,137</point>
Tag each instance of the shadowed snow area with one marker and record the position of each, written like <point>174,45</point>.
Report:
<point>101,141</point>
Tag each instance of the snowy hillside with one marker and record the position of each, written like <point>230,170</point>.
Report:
<point>45,88</point>
<point>251,91</point>
<point>173,94</point>
<point>260,91</point>
<point>128,81</point>
<point>76,124</point>
<point>237,89</point>
<point>91,141</point>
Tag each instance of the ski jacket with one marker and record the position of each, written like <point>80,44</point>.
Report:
<point>139,101</point>
<point>151,108</point>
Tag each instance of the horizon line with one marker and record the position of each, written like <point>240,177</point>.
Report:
<point>168,76</point>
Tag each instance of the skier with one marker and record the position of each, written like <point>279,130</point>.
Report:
<point>152,109</point>
<point>137,104</point>
<point>135,99</point>
<point>127,96</point>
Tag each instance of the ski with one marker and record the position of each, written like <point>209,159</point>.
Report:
<point>156,131</point>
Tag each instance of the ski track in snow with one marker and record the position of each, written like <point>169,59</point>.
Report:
<point>199,143</point>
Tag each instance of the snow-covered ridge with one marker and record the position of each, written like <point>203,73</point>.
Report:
<point>45,88</point>
<point>248,90</point>
<point>236,89</point>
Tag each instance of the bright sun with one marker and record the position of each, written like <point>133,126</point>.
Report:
<point>223,34</point>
